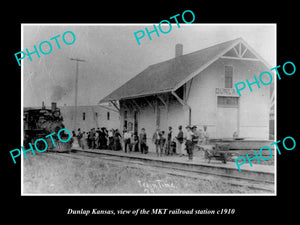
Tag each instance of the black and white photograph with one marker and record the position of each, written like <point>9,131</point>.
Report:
<point>149,112</point>
<point>161,109</point>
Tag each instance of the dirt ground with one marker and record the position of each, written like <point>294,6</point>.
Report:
<point>45,174</point>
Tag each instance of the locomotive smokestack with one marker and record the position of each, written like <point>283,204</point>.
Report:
<point>53,106</point>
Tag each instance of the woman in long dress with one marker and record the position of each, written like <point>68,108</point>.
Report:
<point>74,140</point>
<point>117,141</point>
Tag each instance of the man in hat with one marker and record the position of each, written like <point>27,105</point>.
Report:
<point>156,140</point>
<point>169,150</point>
<point>179,139</point>
<point>189,142</point>
<point>127,137</point>
<point>143,141</point>
<point>79,136</point>
<point>196,134</point>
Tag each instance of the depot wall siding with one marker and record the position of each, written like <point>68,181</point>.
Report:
<point>91,119</point>
<point>202,99</point>
<point>253,106</point>
<point>178,115</point>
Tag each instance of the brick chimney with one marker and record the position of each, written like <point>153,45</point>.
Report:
<point>178,50</point>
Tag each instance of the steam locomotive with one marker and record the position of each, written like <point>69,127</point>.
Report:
<point>40,122</point>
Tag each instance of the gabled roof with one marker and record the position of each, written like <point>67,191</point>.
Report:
<point>171,74</point>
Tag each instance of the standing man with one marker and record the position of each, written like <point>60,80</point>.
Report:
<point>179,139</point>
<point>102,138</point>
<point>195,137</point>
<point>162,143</point>
<point>135,143</point>
<point>196,134</point>
<point>89,139</point>
<point>110,139</point>
<point>127,136</point>
<point>156,140</point>
<point>189,142</point>
<point>98,138</point>
<point>169,150</point>
<point>79,136</point>
<point>143,141</point>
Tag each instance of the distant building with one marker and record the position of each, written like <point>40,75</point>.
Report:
<point>198,89</point>
<point>92,116</point>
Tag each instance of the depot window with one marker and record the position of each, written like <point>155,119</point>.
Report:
<point>228,76</point>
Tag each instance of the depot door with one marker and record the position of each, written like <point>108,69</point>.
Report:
<point>227,116</point>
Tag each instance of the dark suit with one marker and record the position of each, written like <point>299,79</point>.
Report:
<point>156,140</point>
<point>143,142</point>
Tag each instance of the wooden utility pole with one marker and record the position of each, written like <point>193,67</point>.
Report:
<point>76,90</point>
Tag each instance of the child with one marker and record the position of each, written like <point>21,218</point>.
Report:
<point>173,147</point>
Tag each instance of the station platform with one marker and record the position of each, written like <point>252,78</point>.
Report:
<point>256,172</point>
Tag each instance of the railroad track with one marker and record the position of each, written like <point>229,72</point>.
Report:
<point>171,169</point>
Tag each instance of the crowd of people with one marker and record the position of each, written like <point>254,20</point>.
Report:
<point>98,139</point>
<point>165,144</point>
<point>176,144</point>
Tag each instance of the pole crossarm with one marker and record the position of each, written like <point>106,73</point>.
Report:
<point>79,60</point>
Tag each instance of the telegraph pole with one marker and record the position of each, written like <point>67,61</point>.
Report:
<point>76,89</point>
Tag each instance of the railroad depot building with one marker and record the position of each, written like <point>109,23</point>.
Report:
<point>198,89</point>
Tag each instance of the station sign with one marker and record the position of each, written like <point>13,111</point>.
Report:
<point>226,92</point>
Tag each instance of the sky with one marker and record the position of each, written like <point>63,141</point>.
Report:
<point>112,55</point>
